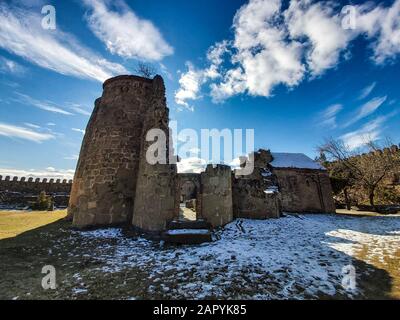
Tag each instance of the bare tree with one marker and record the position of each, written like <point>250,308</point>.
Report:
<point>146,70</point>
<point>366,171</point>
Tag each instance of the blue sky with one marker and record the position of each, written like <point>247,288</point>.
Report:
<point>287,69</point>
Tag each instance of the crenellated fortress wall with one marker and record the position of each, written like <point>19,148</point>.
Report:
<point>34,186</point>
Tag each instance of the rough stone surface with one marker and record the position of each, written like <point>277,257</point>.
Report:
<point>104,187</point>
<point>215,203</point>
<point>115,183</point>
<point>305,190</point>
<point>34,186</point>
<point>189,185</point>
<point>256,196</point>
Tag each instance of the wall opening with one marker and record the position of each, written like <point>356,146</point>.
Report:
<point>188,201</point>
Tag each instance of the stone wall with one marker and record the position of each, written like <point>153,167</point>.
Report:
<point>305,190</point>
<point>156,199</point>
<point>215,198</point>
<point>34,186</point>
<point>256,196</point>
<point>22,192</point>
<point>107,171</point>
<point>189,185</point>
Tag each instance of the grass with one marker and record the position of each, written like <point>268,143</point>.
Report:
<point>13,223</point>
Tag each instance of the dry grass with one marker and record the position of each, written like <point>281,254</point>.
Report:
<point>362,213</point>
<point>13,223</point>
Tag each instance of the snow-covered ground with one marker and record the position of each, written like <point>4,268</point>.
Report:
<point>298,256</point>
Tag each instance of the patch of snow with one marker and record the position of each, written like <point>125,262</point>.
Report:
<point>187,231</point>
<point>79,290</point>
<point>102,233</point>
<point>266,174</point>
<point>271,189</point>
<point>293,257</point>
<point>294,160</point>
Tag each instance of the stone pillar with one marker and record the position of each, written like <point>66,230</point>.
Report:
<point>216,195</point>
<point>157,197</point>
<point>104,185</point>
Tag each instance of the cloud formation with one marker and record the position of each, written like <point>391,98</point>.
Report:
<point>12,131</point>
<point>328,116</point>
<point>366,91</point>
<point>191,165</point>
<point>44,105</point>
<point>8,66</point>
<point>21,34</point>
<point>276,45</point>
<point>366,109</point>
<point>124,33</point>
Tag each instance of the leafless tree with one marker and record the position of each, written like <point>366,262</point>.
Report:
<point>367,170</point>
<point>146,70</point>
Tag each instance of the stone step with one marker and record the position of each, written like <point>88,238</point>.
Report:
<point>187,236</point>
<point>197,224</point>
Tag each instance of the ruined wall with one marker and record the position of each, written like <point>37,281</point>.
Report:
<point>157,200</point>
<point>251,201</point>
<point>22,192</point>
<point>35,186</point>
<point>215,197</point>
<point>189,185</point>
<point>305,190</point>
<point>105,179</point>
<point>256,196</point>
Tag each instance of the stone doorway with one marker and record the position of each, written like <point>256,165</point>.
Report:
<point>188,201</point>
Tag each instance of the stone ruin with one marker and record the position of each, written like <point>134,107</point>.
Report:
<point>114,184</point>
<point>22,192</point>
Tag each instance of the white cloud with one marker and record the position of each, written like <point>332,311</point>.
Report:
<point>32,125</point>
<point>284,45</point>
<point>370,131</point>
<point>190,83</point>
<point>328,116</point>
<point>381,25</point>
<point>48,173</point>
<point>44,105</point>
<point>21,34</point>
<point>191,165</point>
<point>11,67</point>
<point>124,33</point>
<point>366,91</point>
<point>78,108</point>
<point>195,151</point>
<point>325,37</point>
<point>13,131</point>
<point>366,109</point>
<point>78,130</point>
<point>73,157</point>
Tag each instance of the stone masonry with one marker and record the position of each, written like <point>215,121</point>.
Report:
<point>105,181</point>
<point>115,183</point>
<point>215,198</point>
<point>256,195</point>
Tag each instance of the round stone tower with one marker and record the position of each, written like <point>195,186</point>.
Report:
<point>104,187</point>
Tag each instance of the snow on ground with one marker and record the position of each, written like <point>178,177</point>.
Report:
<point>298,256</point>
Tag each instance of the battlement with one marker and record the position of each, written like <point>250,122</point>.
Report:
<point>34,186</point>
<point>35,180</point>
